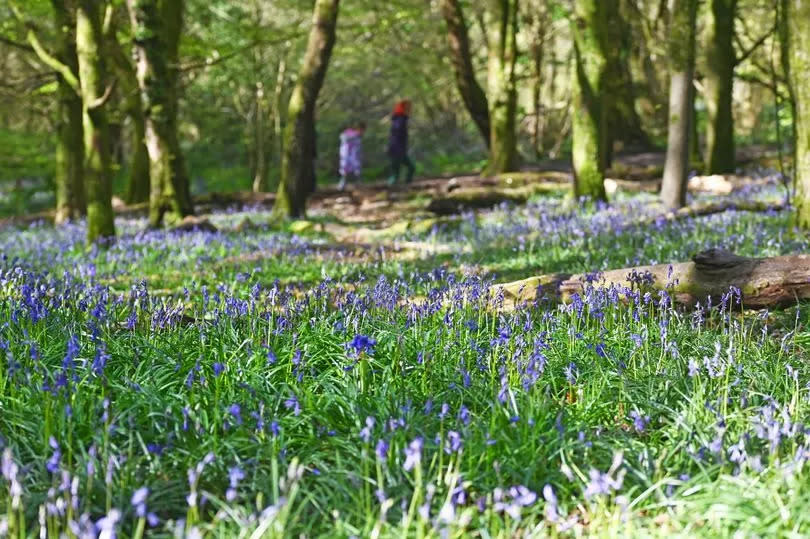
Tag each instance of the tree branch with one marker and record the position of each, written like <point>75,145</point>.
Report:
<point>746,53</point>
<point>16,44</point>
<point>53,62</point>
<point>104,98</point>
<point>236,52</point>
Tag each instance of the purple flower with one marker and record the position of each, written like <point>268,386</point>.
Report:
<point>218,368</point>
<point>413,454</point>
<point>362,344</point>
<point>552,509</point>
<point>56,457</point>
<point>236,411</point>
<point>464,415</point>
<point>571,373</point>
<point>235,475</point>
<point>453,443</point>
<point>106,525</point>
<point>139,496</point>
<point>602,484</point>
<point>365,432</point>
<point>640,422</point>
<point>381,450</point>
<point>292,402</point>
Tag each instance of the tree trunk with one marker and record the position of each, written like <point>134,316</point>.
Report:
<point>537,47</point>
<point>681,97</point>
<point>623,121</point>
<point>97,144</point>
<point>69,177</point>
<point>460,57</point>
<point>798,13</point>
<point>278,109</point>
<point>137,188</point>
<point>590,113</point>
<point>299,144</point>
<point>719,82</point>
<point>762,282</point>
<point>260,141</point>
<point>157,26</point>
<point>138,180</point>
<point>502,92</point>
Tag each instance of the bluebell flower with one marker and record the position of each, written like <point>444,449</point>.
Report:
<point>362,344</point>
<point>381,450</point>
<point>413,454</point>
<point>453,443</point>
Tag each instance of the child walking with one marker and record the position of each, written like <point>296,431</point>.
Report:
<point>351,153</point>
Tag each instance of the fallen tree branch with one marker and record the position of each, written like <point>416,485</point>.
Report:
<point>763,282</point>
<point>711,208</point>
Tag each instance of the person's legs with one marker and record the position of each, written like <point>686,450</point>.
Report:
<point>410,167</point>
<point>396,162</point>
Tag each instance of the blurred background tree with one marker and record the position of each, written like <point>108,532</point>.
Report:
<point>239,60</point>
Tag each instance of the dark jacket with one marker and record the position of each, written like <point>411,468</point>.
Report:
<point>398,141</point>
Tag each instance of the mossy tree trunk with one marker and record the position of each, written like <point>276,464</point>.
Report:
<point>461,58</point>
<point>719,84</point>
<point>624,122</point>
<point>157,27</point>
<point>501,22</point>
<point>798,15</point>
<point>681,48</point>
<point>297,170</point>
<point>137,188</point>
<point>590,134</point>
<point>97,145</point>
<point>69,176</point>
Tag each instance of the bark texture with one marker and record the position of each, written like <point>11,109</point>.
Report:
<point>69,177</point>
<point>137,187</point>
<point>762,282</point>
<point>624,122</point>
<point>157,26</point>
<point>719,84</point>
<point>798,15</point>
<point>681,98</point>
<point>297,165</point>
<point>461,58</point>
<point>97,145</point>
<point>501,25</point>
<point>590,135</point>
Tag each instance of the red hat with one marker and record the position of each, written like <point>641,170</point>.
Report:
<point>402,108</point>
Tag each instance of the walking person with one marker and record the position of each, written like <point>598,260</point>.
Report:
<point>398,142</point>
<point>351,153</point>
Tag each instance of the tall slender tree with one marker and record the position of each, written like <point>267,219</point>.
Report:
<point>69,176</point>
<point>474,97</point>
<point>297,170</point>
<point>95,90</point>
<point>798,37</point>
<point>681,97</point>
<point>157,25</point>
<point>624,122</point>
<point>590,135</point>
<point>719,84</point>
<point>502,25</point>
<point>137,187</point>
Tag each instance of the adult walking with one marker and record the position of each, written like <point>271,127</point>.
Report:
<point>398,142</point>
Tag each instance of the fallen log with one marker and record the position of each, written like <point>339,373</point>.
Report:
<point>711,208</point>
<point>763,282</point>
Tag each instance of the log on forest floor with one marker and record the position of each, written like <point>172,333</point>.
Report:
<point>763,282</point>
